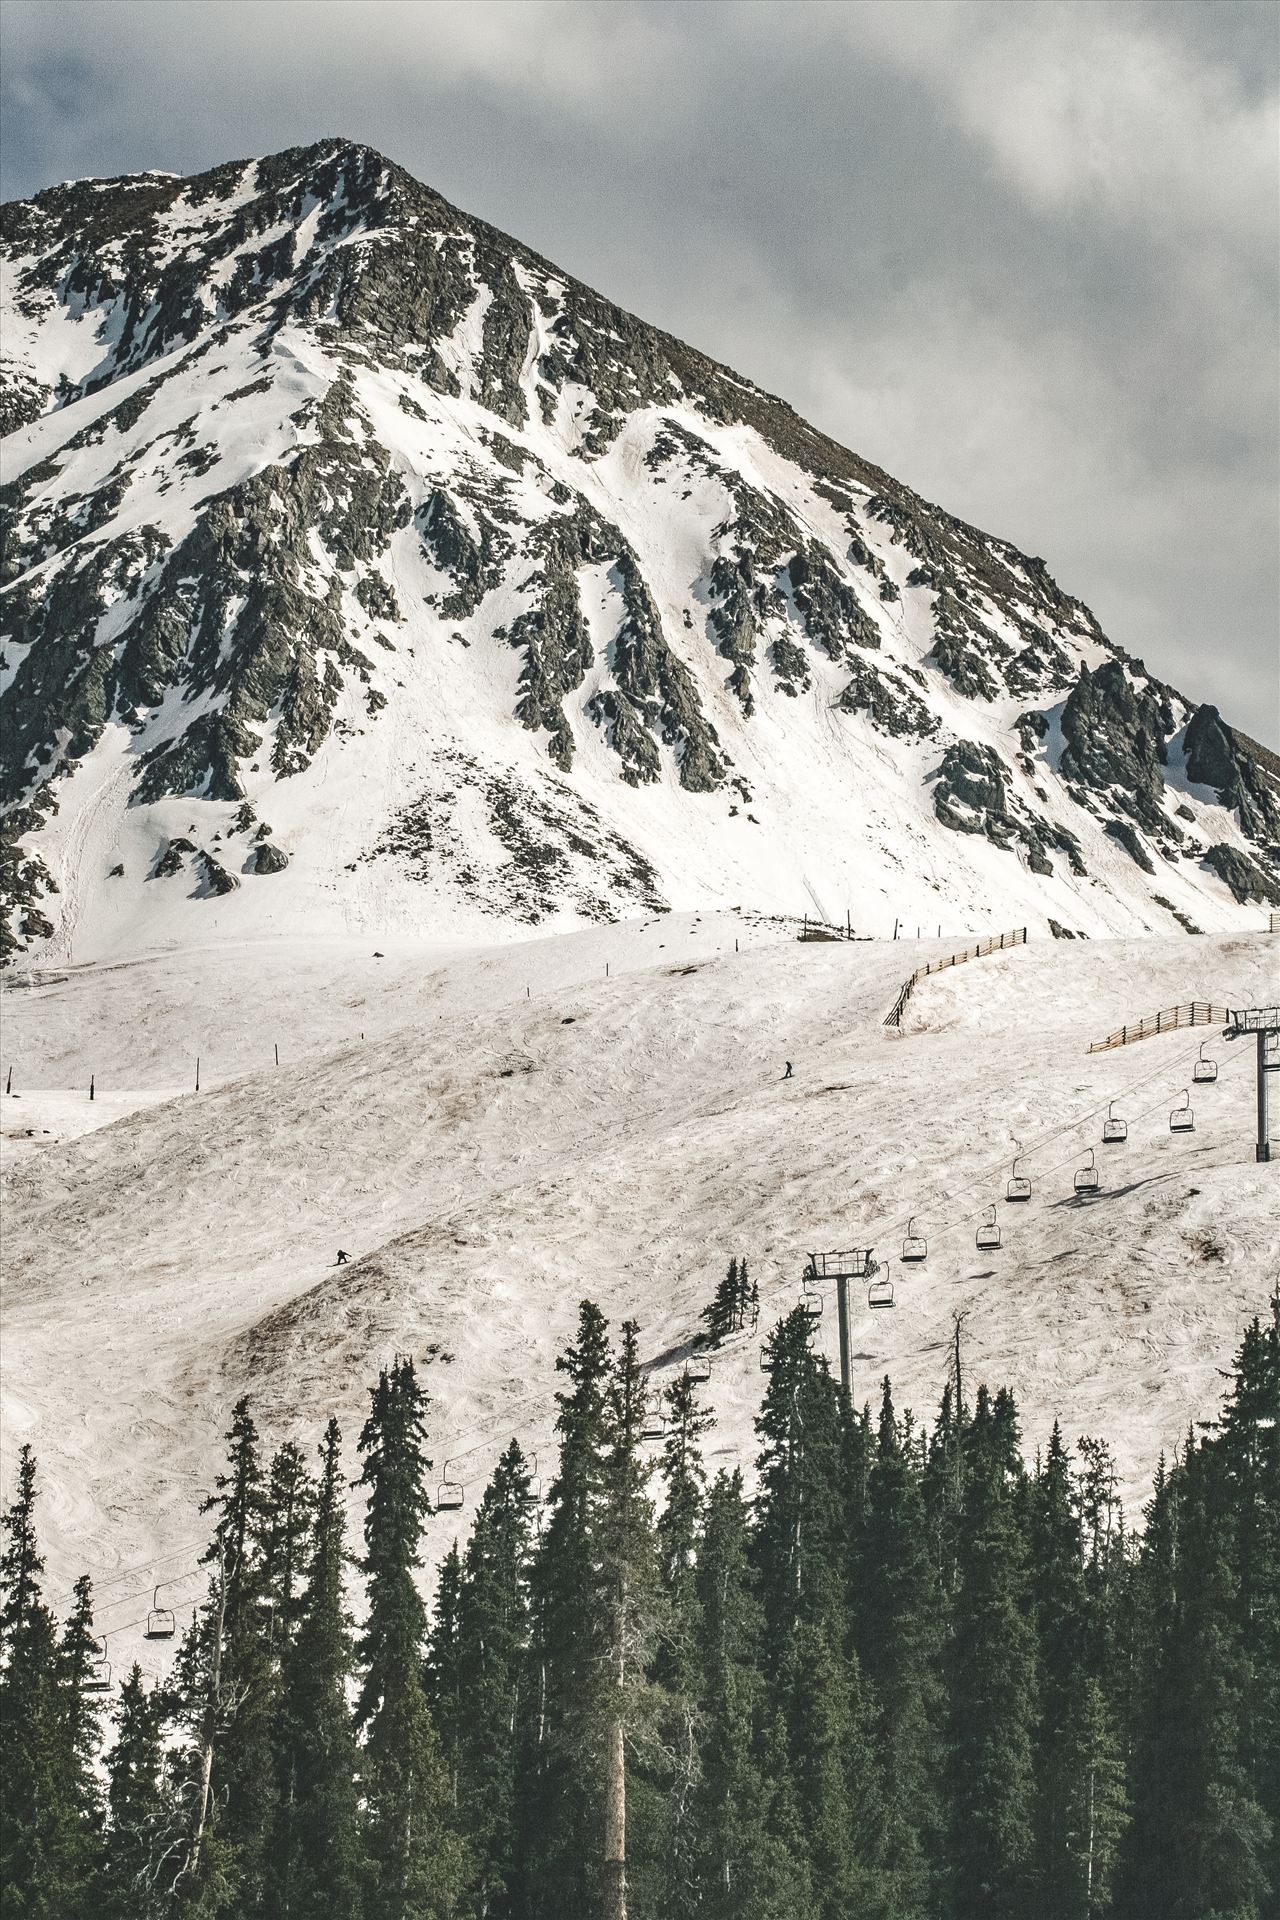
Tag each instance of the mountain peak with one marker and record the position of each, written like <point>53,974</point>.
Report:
<point>324,488</point>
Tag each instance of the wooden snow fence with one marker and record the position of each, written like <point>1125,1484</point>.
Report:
<point>1018,938</point>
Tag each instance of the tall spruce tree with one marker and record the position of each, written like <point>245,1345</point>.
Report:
<point>564,1794</point>
<point>416,1864</point>
<point>799,1548</point>
<point>47,1834</point>
<point>677,1664</point>
<point>900,1624</point>
<point>992,1689</point>
<point>749,1859</point>
<point>134,1885</point>
<point>316,1867</point>
<point>493,1684</point>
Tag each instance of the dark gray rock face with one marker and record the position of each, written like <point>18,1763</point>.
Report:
<point>974,795</point>
<point>1246,879</point>
<point>1217,758</point>
<point>268,859</point>
<point>1121,830</point>
<point>1115,736</point>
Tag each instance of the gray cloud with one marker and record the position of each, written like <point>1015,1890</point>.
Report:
<point>1023,256</point>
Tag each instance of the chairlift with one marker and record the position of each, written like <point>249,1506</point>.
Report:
<point>880,1293</point>
<point>1204,1072</point>
<point>697,1370</point>
<point>450,1494</point>
<point>653,1427</point>
<point>1115,1131</point>
<point>97,1678</point>
<point>1086,1178</point>
<point>1019,1187</point>
<point>811,1301</point>
<point>161,1624</point>
<point>988,1236</point>
<point>914,1247</point>
<point>1183,1119</point>
<point>532,1495</point>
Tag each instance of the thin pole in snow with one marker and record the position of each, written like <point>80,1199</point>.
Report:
<point>735,946</point>
<point>848,925</point>
<point>528,993</point>
<point>197,1073</point>
<point>277,1053</point>
<point>606,969</point>
<point>895,929</point>
<point>91,1086</point>
<point>8,1085</point>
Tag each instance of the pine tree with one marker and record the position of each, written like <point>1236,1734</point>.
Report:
<point>749,1861</point>
<point>633,1608</point>
<point>900,1624</point>
<point>992,1688</point>
<point>288,1514</point>
<point>723,1315</point>
<point>47,1842</point>
<point>799,1548</point>
<point>442,1677</point>
<point>491,1665</point>
<point>1058,1604</point>
<point>137,1822</point>
<point>416,1864</point>
<point>677,1666</point>
<point>232,1689</point>
<point>316,1866</point>
<point>1200,1838</point>
<point>564,1798</point>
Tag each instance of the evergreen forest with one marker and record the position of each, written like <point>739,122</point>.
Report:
<point>907,1673</point>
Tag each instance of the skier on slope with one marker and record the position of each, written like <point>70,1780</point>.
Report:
<point>788,1074</point>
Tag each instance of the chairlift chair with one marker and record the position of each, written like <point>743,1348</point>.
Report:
<point>914,1247</point>
<point>1115,1131</point>
<point>1086,1178</point>
<point>161,1624</point>
<point>880,1293</point>
<point>450,1494</point>
<point>98,1677</point>
<point>1204,1072</point>
<point>1019,1187</point>
<point>811,1301</point>
<point>697,1370</point>
<point>1183,1119</point>
<point>532,1496</point>
<point>988,1236</point>
<point>653,1427</point>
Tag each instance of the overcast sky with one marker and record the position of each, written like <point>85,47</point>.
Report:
<point>1023,255</point>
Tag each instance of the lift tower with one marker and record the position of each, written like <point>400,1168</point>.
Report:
<point>855,1263</point>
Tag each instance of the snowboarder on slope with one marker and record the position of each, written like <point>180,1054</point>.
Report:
<point>342,1257</point>
<point>788,1074</point>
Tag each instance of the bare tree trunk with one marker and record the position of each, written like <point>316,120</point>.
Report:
<point>209,1722</point>
<point>615,1825</point>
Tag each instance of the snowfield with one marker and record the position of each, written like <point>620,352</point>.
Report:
<point>494,1133</point>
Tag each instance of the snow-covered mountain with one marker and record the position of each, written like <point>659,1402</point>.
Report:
<point>364,573</point>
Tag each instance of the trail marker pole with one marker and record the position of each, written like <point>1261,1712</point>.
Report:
<point>277,1045</point>
<point>91,1086</point>
<point>8,1085</point>
<point>197,1073</point>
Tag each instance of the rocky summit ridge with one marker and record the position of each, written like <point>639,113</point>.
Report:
<point>363,572</point>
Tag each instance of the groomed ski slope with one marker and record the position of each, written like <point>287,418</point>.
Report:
<point>516,1129</point>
